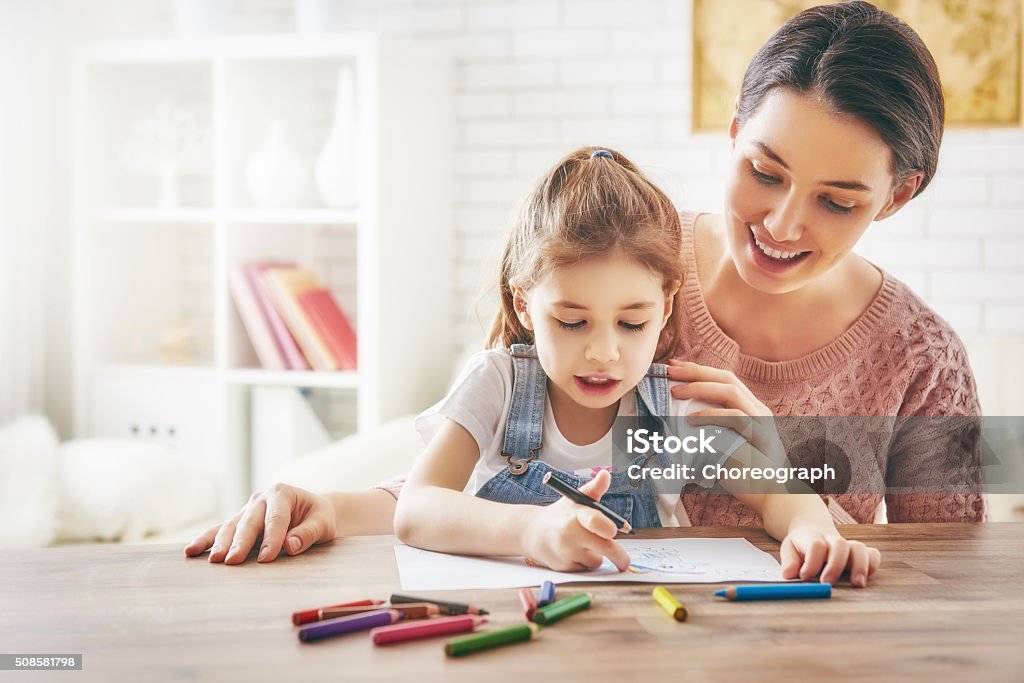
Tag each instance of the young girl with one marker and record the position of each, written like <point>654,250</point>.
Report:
<point>589,279</point>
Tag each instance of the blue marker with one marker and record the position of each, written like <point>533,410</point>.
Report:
<point>777,591</point>
<point>547,594</point>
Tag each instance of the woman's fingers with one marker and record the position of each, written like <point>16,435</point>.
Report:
<point>726,395</point>
<point>791,559</point>
<point>686,371</point>
<point>222,542</point>
<point>312,530</point>
<point>838,556</point>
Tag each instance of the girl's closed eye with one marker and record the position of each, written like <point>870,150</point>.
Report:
<point>634,327</point>
<point>571,326</point>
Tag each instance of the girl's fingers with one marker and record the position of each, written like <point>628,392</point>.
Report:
<point>588,559</point>
<point>838,556</point>
<point>275,524</point>
<point>598,486</point>
<point>596,523</point>
<point>791,559</point>
<point>814,558</point>
<point>874,560</point>
<point>250,526</point>
<point>202,542</point>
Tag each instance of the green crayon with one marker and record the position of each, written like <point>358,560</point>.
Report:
<point>478,642</point>
<point>549,614</point>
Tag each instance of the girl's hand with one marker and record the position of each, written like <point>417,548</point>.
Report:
<point>807,552</point>
<point>305,518</point>
<point>568,537</point>
<point>740,410</point>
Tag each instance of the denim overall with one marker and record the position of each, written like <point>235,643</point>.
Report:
<point>522,481</point>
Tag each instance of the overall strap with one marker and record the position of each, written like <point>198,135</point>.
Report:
<point>525,424</point>
<point>653,393</point>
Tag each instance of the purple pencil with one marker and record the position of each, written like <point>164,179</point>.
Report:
<point>356,622</point>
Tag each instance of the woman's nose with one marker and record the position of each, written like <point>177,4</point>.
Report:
<point>784,223</point>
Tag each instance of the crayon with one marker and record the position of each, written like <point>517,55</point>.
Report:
<point>547,594</point>
<point>308,615</point>
<point>382,635</point>
<point>669,603</point>
<point>418,610</point>
<point>477,642</point>
<point>528,602</point>
<point>557,611</point>
<point>577,496</point>
<point>356,622</point>
<point>777,591</point>
<point>446,607</point>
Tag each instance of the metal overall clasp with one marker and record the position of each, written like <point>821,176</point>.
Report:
<point>517,466</point>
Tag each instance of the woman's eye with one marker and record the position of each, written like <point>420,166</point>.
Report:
<point>571,326</point>
<point>835,208</point>
<point>633,327</point>
<point>764,178</point>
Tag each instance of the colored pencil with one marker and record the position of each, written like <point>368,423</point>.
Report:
<point>669,603</point>
<point>413,630</point>
<point>577,496</point>
<point>308,615</point>
<point>418,610</point>
<point>528,602</point>
<point>447,608</point>
<point>547,594</point>
<point>356,622</point>
<point>777,591</point>
<point>478,642</point>
<point>556,611</point>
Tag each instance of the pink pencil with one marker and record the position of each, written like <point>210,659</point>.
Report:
<point>425,629</point>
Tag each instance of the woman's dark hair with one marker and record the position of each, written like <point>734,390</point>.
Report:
<point>864,62</point>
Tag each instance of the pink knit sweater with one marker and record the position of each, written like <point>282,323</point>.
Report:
<point>898,359</point>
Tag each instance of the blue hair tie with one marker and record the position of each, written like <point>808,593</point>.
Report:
<point>601,153</point>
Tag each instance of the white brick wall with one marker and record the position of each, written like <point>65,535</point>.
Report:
<point>536,78</point>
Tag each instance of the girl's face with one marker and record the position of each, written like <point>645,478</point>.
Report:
<point>596,326</point>
<point>804,186</point>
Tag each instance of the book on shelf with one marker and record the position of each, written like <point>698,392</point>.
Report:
<point>332,325</point>
<point>293,356</point>
<point>256,325</point>
<point>321,334</point>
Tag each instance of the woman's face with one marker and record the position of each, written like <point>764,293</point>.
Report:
<point>804,186</point>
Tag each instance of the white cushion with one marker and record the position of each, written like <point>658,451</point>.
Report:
<point>357,461</point>
<point>28,483</point>
<point>124,489</point>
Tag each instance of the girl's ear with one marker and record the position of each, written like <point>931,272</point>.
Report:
<point>522,310</point>
<point>670,299</point>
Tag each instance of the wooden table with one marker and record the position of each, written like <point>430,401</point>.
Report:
<point>946,605</point>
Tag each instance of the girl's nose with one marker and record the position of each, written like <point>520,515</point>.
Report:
<point>602,348</point>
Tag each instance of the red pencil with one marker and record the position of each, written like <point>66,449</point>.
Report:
<point>528,602</point>
<point>311,615</point>
<point>412,630</point>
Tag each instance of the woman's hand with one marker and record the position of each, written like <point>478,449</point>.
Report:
<point>740,410</point>
<point>305,518</point>
<point>808,551</point>
<point>565,536</point>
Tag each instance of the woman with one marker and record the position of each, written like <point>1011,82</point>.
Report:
<point>837,125</point>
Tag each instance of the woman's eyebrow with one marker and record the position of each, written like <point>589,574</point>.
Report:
<point>639,305</point>
<point>841,184</point>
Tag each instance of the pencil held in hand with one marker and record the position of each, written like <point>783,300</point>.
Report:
<point>577,496</point>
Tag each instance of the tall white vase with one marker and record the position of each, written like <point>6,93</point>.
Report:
<point>337,165</point>
<point>274,174</point>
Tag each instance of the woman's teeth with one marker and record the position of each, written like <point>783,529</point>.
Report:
<point>775,253</point>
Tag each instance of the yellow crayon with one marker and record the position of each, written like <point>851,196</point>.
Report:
<point>669,603</point>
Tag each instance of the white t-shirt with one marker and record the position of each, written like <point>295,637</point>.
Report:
<point>479,401</point>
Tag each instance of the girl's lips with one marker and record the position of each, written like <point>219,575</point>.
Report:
<point>766,262</point>
<point>590,389</point>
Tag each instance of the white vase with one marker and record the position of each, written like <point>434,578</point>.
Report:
<point>337,165</point>
<point>273,174</point>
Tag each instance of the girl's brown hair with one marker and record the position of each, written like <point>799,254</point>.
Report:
<point>587,205</point>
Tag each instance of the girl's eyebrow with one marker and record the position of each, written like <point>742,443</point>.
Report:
<point>639,305</point>
<point>841,184</point>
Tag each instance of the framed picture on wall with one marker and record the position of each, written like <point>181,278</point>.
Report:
<point>976,45</point>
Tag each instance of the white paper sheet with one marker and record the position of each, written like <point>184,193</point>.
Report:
<point>669,560</point>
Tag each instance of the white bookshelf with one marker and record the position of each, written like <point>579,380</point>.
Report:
<point>145,275</point>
